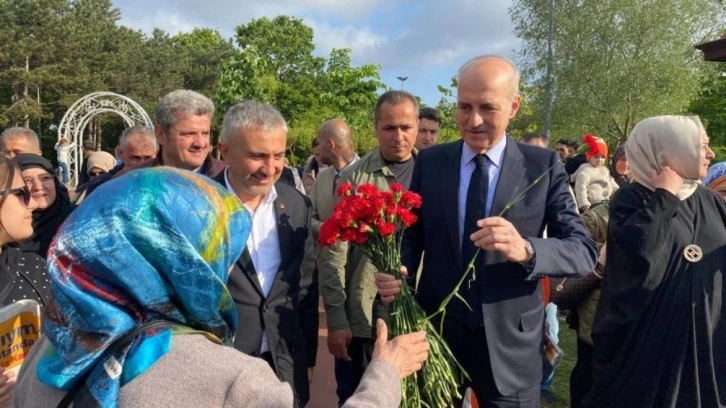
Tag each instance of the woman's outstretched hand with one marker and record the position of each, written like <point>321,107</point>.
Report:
<point>406,353</point>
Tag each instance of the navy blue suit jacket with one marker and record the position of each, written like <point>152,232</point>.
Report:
<point>511,296</point>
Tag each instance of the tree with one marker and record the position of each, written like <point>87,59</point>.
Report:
<point>275,64</point>
<point>350,92</point>
<point>285,47</point>
<point>31,40</point>
<point>615,61</point>
<point>710,104</point>
<point>204,51</point>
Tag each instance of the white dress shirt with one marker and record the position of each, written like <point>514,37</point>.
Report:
<point>263,244</point>
<point>466,169</point>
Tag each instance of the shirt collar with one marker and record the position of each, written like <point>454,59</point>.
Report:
<point>494,154</point>
<point>355,159</point>
<point>270,197</point>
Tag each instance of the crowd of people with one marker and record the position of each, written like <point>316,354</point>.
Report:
<point>174,278</point>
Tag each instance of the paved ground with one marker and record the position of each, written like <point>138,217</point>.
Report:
<point>322,390</point>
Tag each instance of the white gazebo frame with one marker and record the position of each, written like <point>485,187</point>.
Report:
<point>76,119</point>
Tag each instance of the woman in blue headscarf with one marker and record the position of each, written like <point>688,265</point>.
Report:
<point>716,179</point>
<point>140,308</point>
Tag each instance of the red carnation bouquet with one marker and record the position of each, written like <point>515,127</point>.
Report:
<point>374,220</point>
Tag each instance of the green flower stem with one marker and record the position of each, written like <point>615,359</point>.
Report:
<point>437,383</point>
<point>470,266</point>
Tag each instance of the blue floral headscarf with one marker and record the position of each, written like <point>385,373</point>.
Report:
<point>716,175</point>
<point>155,244</point>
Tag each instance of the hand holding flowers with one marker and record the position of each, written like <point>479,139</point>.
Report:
<point>374,221</point>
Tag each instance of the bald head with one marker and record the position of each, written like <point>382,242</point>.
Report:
<point>335,142</point>
<point>487,100</point>
<point>337,130</point>
<point>17,140</point>
<point>501,68</point>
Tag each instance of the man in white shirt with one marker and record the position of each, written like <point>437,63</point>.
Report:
<point>276,302</point>
<point>63,148</point>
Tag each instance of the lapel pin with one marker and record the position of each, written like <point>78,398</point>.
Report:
<point>693,253</point>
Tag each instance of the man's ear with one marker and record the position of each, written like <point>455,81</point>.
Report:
<point>223,150</point>
<point>160,134</point>
<point>515,106</point>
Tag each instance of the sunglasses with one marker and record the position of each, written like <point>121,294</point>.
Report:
<point>95,173</point>
<point>22,193</point>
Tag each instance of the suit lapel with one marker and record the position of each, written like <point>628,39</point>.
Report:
<point>510,177</point>
<point>283,229</point>
<point>450,171</point>
<point>247,267</point>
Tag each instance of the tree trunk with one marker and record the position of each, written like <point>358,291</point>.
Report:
<point>26,117</point>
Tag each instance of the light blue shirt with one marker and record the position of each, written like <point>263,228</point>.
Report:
<point>467,166</point>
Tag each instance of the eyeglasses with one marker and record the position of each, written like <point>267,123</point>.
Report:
<point>95,173</point>
<point>22,193</point>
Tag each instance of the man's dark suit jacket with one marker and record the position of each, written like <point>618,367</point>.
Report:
<point>511,297</point>
<point>289,314</point>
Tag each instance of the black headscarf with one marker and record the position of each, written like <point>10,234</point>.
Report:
<point>47,221</point>
<point>619,154</point>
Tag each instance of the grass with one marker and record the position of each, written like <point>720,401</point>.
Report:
<point>561,385</point>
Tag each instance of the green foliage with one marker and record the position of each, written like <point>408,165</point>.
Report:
<point>615,61</point>
<point>203,50</point>
<point>447,110</point>
<point>54,52</point>
<point>720,152</point>
<point>245,75</point>
<point>275,64</point>
<point>284,45</point>
<point>710,105</point>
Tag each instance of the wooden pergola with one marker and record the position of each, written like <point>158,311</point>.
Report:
<point>714,50</point>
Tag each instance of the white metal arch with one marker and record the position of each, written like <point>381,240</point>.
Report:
<point>83,110</point>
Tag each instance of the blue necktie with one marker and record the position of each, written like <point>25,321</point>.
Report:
<point>476,201</point>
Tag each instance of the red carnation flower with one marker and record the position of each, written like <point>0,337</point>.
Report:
<point>345,189</point>
<point>367,190</point>
<point>386,229</point>
<point>407,217</point>
<point>411,200</point>
<point>329,233</point>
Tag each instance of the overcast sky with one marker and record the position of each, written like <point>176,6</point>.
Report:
<point>424,40</point>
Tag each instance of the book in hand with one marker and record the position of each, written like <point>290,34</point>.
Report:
<point>552,352</point>
<point>19,330</point>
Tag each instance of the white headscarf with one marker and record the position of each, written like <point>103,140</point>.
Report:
<point>673,141</point>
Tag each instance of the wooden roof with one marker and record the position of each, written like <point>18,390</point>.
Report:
<point>714,50</point>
